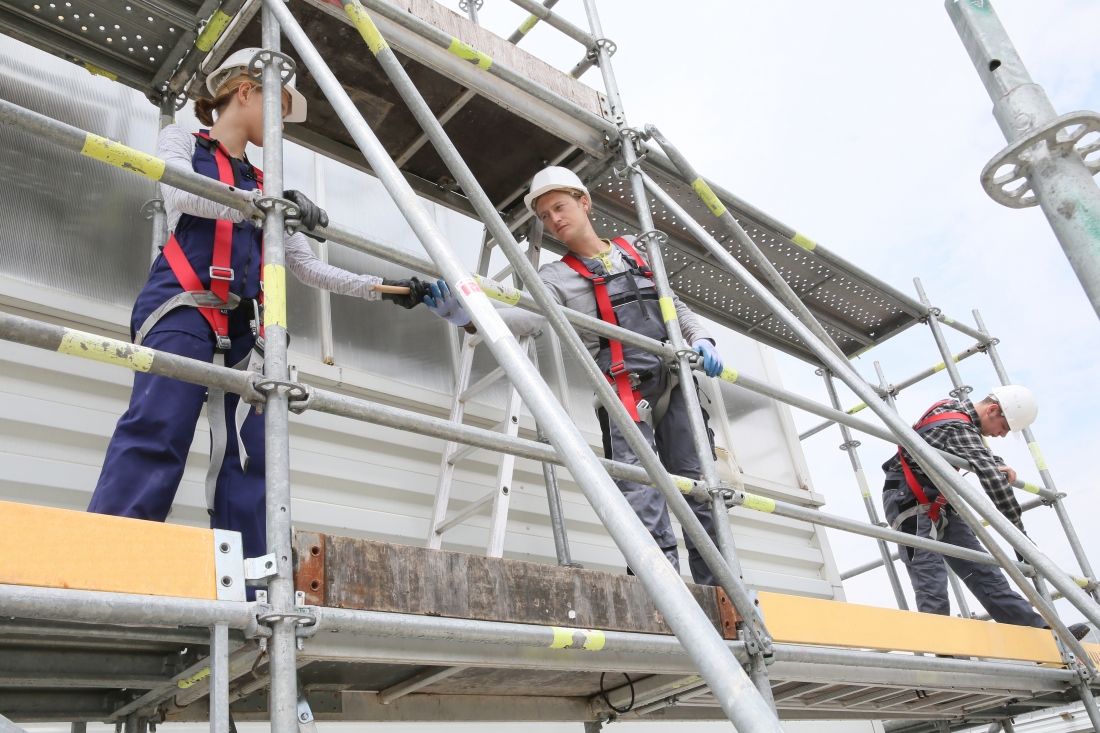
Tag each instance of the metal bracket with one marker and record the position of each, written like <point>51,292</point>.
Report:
<point>306,723</point>
<point>295,390</point>
<point>259,569</point>
<point>152,207</point>
<point>593,54</point>
<point>298,405</point>
<point>256,628</point>
<point>464,5</point>
<point>961,391</point>
<point>850,445</point>
<point>271,203</point>
<point>229,565</point>
<point>287,66</point>
<point>302,616</point>
<point>1013,189</point>
<point>643,243</point>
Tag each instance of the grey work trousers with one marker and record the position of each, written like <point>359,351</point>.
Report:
<point>676,449</point>
<point>929,576</point>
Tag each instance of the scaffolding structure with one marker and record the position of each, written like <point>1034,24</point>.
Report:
<point>726,259</point>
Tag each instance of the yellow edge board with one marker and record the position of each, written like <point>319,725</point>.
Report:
<point>800,620</point>
<point>59,548</point>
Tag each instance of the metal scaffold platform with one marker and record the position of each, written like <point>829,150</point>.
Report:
<point>134,623</point>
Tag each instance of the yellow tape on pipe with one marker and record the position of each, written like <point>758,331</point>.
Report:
<point>217,24</point>
<point>367,29</point>
<point>803,241</point>
<point>471,54</point>
<point>1037,456</point>
<point>708,197</point>
<point>106,350</point>
<point>729,375</point>
<point>122,157</point>
<point>526,26</point>
<point>96,71</point>
<point>759,503</point>
<point>668,309</point>
<point>274,295</point>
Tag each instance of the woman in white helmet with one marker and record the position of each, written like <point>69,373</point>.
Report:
<point>203,300</point>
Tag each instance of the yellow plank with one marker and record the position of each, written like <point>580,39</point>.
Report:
<point>58,548</point>
<point>798,620</point>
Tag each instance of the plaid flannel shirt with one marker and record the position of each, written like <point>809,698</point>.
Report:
<point>965,441</point>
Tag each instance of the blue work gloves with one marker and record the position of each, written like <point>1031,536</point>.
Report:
<point>712,360</point>
<point>441,302</point>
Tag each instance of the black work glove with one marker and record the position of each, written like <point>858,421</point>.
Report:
<point>417,291</point>
<point>310,214</point>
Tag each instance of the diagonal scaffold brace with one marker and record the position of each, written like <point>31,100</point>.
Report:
<point>728,578</point>
<point>653,239</point>
<point>731,686</point>
<point>972,505</point>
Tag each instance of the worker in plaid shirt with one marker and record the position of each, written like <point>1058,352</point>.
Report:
<point>914,505</point>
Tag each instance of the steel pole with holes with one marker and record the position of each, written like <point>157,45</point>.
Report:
<point>1044,473</point>
<point>850,446</point>
<point>971,504</point>
<point>959,391</point>
<point>1046,165</point>
<point>688,389</point>
<point>729,580</point>
<point>708,651</point>
<point>280,589</point>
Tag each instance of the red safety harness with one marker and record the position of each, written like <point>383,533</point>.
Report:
<point>931,508</point>
<point>617,374</point>
<point>221,270</point>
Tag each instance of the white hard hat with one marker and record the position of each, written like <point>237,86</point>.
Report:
<point>554,178</point>
<point>237,63</point>
<point>1017,404</point>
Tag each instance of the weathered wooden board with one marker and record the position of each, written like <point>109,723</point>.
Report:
<point>343,572</point>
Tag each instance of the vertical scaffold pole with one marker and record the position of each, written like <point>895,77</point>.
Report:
<point>1082,684</point>
<point>729,580</point>
<point>850,446</point>
<point>283,700</point>
<point>219,679</point>
<point>716,664</point>
<point>1056,173</point>
<point>972,505</point>
<point>1044,470</point>
<point>653,241</point>
<point>155,205</point>
<point>959,391</point>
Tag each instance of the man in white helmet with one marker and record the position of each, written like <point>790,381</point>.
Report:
<point>914,505</point>
<point>610,280</point>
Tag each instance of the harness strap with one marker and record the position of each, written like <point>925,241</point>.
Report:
<point>932,508</point>
<point>215,414</point>
<point>617,376</point>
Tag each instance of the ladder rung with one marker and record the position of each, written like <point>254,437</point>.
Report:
<point>466,513</point>
<point>486,381</point>
<point>462,453</point>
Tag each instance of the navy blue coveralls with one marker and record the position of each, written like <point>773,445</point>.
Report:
<point>147,453</point>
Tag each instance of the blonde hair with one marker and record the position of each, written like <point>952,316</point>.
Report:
<point>205,108</point>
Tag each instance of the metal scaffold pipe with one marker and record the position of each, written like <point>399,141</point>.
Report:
<point>1044,473</point>
<point>1045,165</point>
<point>850,446</point>
<point>282,648</point>
<point>964,498</point>
<point>728,578</point>
<point>897,387</point>
<point>723,673</point>
<point>759,260</point>
<point>630,148</point>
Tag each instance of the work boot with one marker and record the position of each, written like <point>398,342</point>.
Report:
<point>1079,631</point>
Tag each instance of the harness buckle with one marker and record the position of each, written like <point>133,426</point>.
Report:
<point>221,273</point>
<point>617,368</point>
<point>224,344</point>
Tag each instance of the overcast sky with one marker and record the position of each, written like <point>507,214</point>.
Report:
<point>864,125</point>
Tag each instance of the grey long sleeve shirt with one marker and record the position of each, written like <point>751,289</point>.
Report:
<point>571,290</point>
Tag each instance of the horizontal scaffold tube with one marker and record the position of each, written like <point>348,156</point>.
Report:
<point>899,386</point>
<point>139,358</point>
<point>815,516</point>
<point>120,156</point>
<point>469,631</point>
<point>63,604</point>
